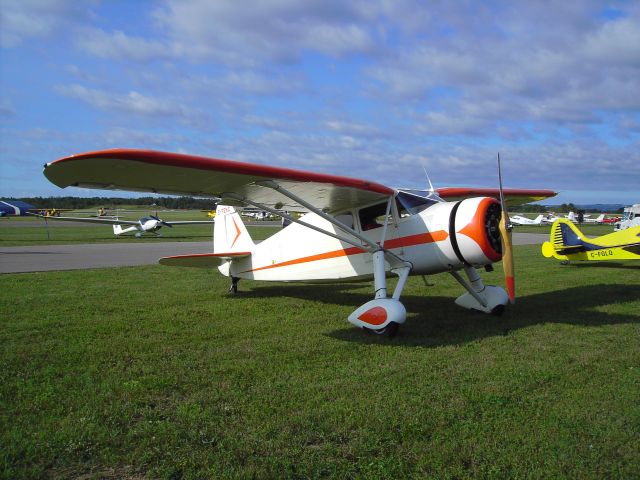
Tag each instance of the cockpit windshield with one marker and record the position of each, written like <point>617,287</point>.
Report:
<point>145,219</point>
<point>410,204</point>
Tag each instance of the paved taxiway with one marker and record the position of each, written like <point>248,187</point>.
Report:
<point>99,255</point>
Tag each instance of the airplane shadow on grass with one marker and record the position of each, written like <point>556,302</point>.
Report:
<point>437,321</point>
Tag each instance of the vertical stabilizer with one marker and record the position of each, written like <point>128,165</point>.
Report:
<point>565,234</point>
<point>229,232</point>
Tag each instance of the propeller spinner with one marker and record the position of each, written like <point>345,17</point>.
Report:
<point>162,222</point>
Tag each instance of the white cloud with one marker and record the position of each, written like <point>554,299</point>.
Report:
<point>25,19</point>
<point>276,30</point>
<point>243,82</point>
<point>128,103</point>
<point>118,45</point>
<point>521,75</point>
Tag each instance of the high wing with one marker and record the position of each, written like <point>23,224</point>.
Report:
<point>110,221</point>
<point>179,174</point>
<point>513,196</point>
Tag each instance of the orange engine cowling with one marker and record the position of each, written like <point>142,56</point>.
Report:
<point>472,227</point>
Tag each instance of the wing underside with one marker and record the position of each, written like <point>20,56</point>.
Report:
<point>178,174</point>
<point>513,196</point>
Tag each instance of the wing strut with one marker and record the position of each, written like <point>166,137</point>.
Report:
<point>382,314</point>
<point>240,198</point>
<point>271,184</point>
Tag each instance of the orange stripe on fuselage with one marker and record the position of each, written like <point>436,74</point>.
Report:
<point>408,241</point>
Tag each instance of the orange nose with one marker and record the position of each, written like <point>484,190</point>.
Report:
<point>477,229</point>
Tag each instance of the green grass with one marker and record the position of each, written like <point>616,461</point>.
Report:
<point>155,372</point>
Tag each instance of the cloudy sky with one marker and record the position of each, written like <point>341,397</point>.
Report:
<point>371,89</point>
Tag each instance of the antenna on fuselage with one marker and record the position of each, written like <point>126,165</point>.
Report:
<point>432,191</point>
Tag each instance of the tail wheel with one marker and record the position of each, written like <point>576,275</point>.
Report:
<point>390,330</point>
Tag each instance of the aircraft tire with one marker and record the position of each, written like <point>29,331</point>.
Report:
<point>390,330</point>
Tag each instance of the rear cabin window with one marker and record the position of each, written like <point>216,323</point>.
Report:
<point>373,216</point>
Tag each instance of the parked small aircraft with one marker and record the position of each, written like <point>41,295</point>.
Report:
<point>567,243</point>
<point>599,219</point>
<point>352,229</point>
<point>150,224</point>
<point>630,218</point>
<point>520,220</point>
<point>549,218</point>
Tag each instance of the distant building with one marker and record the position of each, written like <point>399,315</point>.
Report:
<point>14,207</point>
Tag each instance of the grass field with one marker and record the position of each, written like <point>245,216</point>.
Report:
<point>154,372</point>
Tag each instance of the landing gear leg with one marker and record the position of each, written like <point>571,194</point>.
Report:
<point>233,289</point>
<point>481,297</point>
<point>383,315</point>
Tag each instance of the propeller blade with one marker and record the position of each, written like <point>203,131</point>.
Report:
<point>507,244</point>
<point>166,224</point>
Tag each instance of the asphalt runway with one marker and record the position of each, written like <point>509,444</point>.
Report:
<point>101,255</point>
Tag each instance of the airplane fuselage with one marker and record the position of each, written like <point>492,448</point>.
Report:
<point>424,239</point>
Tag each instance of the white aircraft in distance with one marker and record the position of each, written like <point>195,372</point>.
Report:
<point>549,218</point>
<point>352,229</point>
<point>599,219</point>
<point>150,224</point>
<point>520,220</point>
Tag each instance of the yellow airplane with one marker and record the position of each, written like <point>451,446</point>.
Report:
<point>569,243</point>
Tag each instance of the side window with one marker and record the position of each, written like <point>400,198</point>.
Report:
<point>373,216</point>
<point>402,210</point>
<point>345,219</point>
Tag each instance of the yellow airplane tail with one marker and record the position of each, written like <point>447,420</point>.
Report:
<point>564,238</point>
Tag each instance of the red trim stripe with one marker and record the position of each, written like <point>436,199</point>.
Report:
<point>408,241</point>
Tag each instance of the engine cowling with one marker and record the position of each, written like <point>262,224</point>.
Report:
<point>472,227</point>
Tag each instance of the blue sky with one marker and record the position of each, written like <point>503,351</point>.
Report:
<point>370,89</point>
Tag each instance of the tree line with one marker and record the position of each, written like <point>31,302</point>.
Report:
<point>184,203</point>
<point>191,203</point>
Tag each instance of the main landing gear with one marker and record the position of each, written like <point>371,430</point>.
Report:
<point>383,315</point>
<point>480,297</point>
<point>233,289</point>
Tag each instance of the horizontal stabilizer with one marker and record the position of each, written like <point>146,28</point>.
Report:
<point>201,260</point>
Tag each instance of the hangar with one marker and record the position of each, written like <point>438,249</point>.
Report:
<point>14,207</point>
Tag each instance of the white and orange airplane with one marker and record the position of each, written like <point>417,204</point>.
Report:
<point>351,229</point>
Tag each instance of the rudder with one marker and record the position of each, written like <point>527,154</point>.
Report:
<point>565,234</point>
<point>230,234</point>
